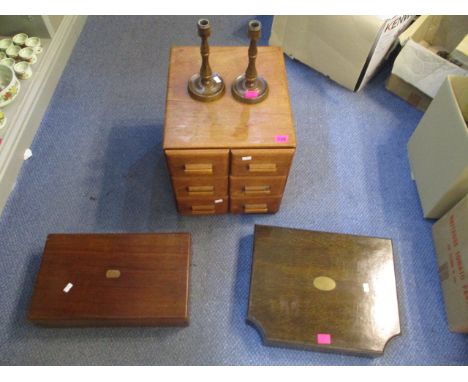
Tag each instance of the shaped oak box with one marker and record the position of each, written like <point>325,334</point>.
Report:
<point>323,291</point>
<point>113,280</point>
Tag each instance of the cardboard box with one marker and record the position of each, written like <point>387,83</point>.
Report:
<point>348,49</point>
<point>424,61</point>
<point>408,92</point>
<point>460,53</point>
<point>438,149</point>
<point>450,235</point>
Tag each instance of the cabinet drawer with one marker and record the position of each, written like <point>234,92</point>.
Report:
<point>261,162</point>
<point>202,205</point>
<point>255,205</point>
<point>200,186</point>
<point>245,186</point>
<point>183,163</point>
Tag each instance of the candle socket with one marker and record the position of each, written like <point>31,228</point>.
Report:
<point>205,86</point>
<point>249,87</point>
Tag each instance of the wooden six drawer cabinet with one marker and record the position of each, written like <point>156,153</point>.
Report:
<point>225,155</point>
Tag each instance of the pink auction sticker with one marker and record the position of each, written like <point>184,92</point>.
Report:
<point>324,339</point>
<point>281,138</point>
<point>251,94</point>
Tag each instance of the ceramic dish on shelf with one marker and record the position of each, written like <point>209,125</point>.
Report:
<point>33,42</point>
<point>13,51</point>
<point>8,62</point>
<point>9,85</point>
<point>20,39</point>
<point>5,43</point>
<point>23,70</point>
<point>3,120</point>
<point>27,54</point>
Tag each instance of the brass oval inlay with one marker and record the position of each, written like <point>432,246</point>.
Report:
<point>324,283</point>
<point>112,274</point>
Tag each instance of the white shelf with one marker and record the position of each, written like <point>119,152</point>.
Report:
<point>14,108</point>
<point>25,113</point>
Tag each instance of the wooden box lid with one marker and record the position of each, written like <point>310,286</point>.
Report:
<point>227,123</point>
<point>323,291</point>
<point>113,279</point>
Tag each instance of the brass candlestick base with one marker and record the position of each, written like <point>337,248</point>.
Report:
<point>212,91</point>
<point>249,87</point>
<point>205,86</point>
<point>253,94</point>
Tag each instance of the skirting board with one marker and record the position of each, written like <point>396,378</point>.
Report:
<point>22,126</point>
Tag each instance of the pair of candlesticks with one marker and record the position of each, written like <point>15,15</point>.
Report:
<point>207,86</point>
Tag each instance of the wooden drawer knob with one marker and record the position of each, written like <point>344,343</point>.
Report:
<point>257,189</point>
<point>262,167</point>
<point>255,208</point>
<point>203,209</point>
<point>200,190</point>
<point>198,168</point>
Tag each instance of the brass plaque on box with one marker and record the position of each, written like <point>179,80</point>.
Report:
<point>323,291</point>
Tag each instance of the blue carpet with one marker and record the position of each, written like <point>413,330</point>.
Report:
<point>98,166</point>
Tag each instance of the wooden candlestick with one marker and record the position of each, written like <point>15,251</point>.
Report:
<point>205,86</point>
<point>249,87</point>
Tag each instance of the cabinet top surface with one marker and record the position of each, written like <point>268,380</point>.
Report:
<point>227,123</point>
<point>112,276</point>
<point>323,291</point>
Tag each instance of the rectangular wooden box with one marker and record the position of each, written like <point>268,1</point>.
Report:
<point>113,280</point>
<point>211,143</point>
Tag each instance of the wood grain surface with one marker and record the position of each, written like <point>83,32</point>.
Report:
<point>117,279</point>
<point>183,163</point>
<point>200,186</point>
<point>261,162</point>
<point>203,205</point>
<point>227,123</point>
<point>323,291</point>
<point>246,186</point>
<point>255,204</point>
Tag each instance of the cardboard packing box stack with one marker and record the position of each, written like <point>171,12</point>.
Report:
<point>443,180</point>
<point>434,47</point>
<point>347,49</point>
<point>451,242</point>
<point>460,53</point>
<point>438,149</point>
